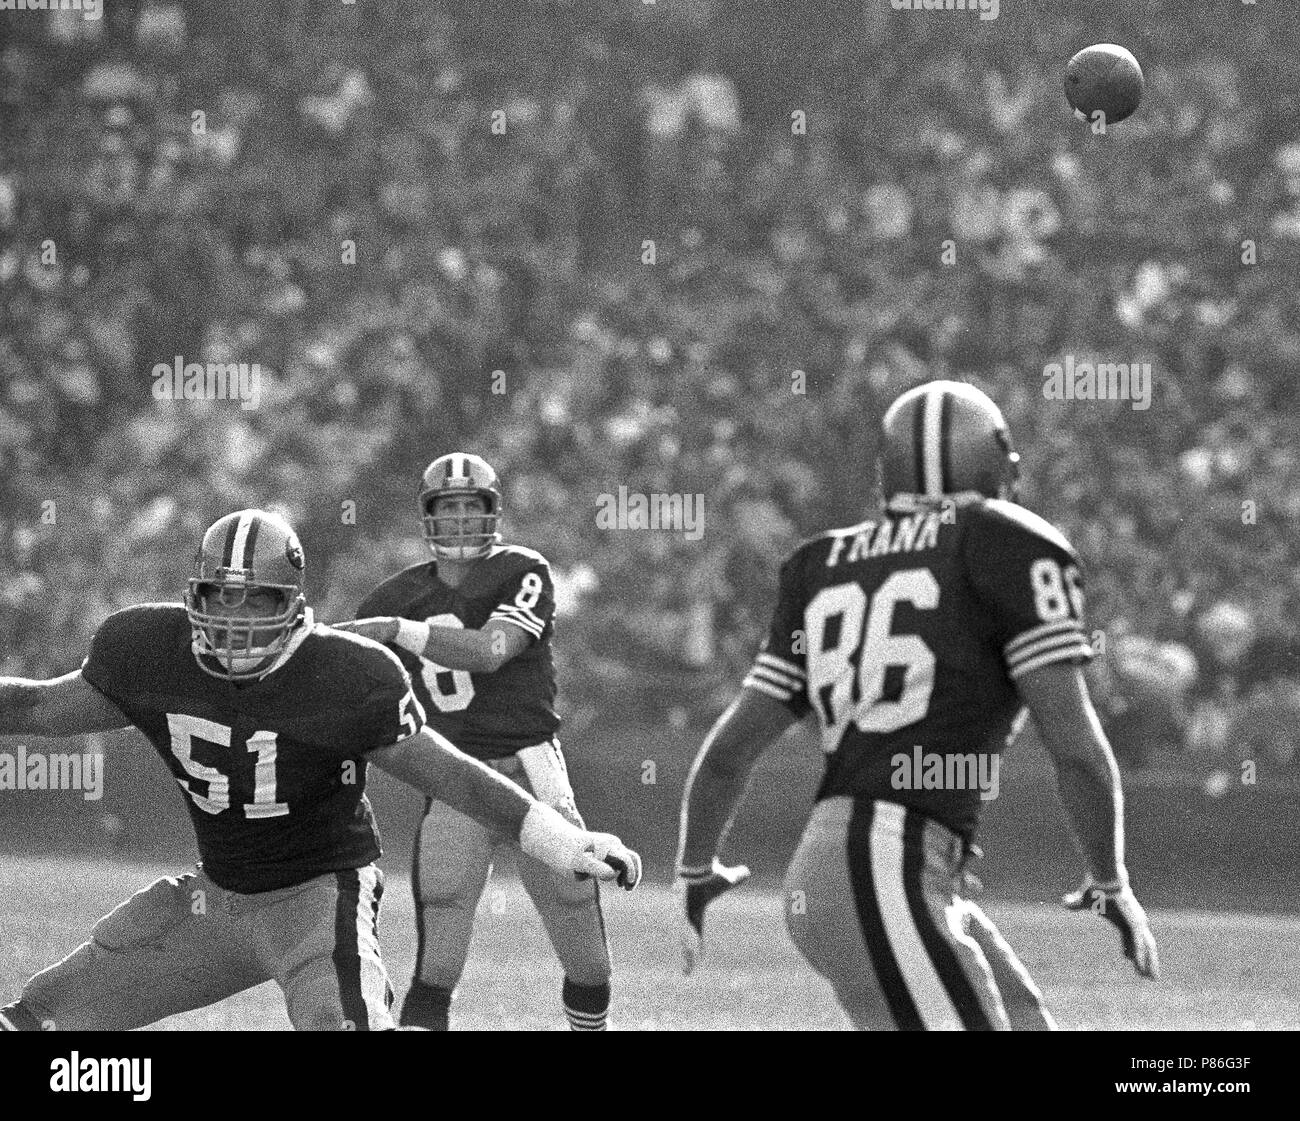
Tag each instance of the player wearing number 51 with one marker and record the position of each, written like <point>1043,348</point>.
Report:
<point>267,721</point>
<point>474,628</point>
<point>923,631</point>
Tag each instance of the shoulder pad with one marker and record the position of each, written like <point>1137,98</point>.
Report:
<point>415,575</point>
<point>504,563</point>
<point>1016,517</point>
<point>150,621</point>
<point>516,556</point>
<point>359,658</point>
<point>810,546</point>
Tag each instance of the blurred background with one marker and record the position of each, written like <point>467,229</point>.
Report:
<point>596,242</point>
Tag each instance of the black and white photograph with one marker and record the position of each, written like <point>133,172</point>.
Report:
<point>651,515</point>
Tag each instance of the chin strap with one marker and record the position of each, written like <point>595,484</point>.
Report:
<point>300,633</point>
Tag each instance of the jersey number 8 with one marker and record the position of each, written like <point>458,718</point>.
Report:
<point>450,690</point>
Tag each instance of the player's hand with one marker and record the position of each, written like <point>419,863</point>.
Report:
<point>695,889</point>
<point>1117,903</point>
<point>607,858</point>
<point>381,628</point>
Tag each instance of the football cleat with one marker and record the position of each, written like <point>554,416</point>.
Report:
<point>460,535</point>
<point>947,438</point>
<point>245,557</point>
<point>695,889</point>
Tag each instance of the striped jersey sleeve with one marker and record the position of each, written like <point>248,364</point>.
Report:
<point>1028,577</point>
<point>528,600</point>
<point>780,669</point>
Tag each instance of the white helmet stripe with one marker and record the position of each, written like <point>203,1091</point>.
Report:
<point>237,557</point>
<point>932,446</point>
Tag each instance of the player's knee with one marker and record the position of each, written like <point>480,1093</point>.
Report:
<point>449,887</point>
<point>148,916</point>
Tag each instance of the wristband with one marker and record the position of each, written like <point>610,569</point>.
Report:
<point>412,636</point>
<point>546,835</point>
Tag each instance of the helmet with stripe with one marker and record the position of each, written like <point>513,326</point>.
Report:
<point>457,534</point>
<point>947,438</point>
<point>246,598</point>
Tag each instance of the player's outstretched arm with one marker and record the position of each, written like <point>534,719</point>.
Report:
<point>1087,777</point>
<point>439,770</point>
<point>484,650</point>
<point>718,777</point>
<point>61,706</point>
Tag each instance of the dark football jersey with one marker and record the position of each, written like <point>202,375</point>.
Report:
<point>905,635</point>
<point>274,770</point>
<point>487,715</point>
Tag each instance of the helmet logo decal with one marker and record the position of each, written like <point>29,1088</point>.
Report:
<point>293,552</point>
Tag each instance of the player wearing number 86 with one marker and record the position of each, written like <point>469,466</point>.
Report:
<point>474,627</point>
<point>922,633</point>
<point>267,721</point>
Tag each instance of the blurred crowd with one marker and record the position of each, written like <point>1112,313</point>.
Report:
<point>682,248</point>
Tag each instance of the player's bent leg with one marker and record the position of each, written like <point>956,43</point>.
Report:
<point>823,919</point>
<point>168,949</point>
<point>322,940</point>
<point>1025,1007</point>
<point>905,869</point>
<point>452,862</point>
<point>570,908</point>
<point>575,924</point>
<point>898,869</point>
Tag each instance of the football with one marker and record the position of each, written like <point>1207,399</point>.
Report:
<point>1104,78</point>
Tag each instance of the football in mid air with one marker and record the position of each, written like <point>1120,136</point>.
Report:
<point>1106,79</point>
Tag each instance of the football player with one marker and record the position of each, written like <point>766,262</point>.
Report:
<point>473,626</point>
<point>917,638</point>
<point>267,722</point>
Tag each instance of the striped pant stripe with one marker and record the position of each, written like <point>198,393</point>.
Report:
<point>866,893</point>
<point>347,950</point>
<point>956,984</point>
<point>923,981</point>
<point>364,990</point>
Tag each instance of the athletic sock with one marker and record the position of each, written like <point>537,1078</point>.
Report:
<point>426,1006</point>
<point>586,1006</point>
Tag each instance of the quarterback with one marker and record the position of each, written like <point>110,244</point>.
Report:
<point>267,722</point>
<point>474,627</point>
<point>922,632</point>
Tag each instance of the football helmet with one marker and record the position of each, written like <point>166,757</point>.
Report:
<point>244,553</point>
<point>947,438</point>
<point>460,536</point>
